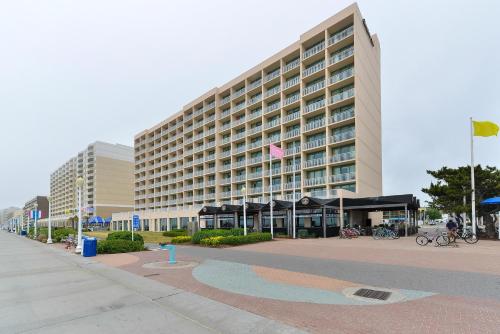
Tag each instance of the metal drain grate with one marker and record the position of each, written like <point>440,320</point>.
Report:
<point>373,294</point>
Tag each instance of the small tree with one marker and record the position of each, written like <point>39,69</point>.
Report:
<point>433,213</point>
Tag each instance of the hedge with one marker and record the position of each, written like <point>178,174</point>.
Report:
<point>113,246</point>
<point>200,235</point>
<point>60,233</point>
<point>175,233</point>
<point>125,235</point>
<point>236,239</point>
<point>181,239</point>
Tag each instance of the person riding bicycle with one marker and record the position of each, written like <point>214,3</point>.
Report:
<point>452,229</point>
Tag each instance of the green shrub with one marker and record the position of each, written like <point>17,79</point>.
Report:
<point>125,235</point>
<point>200,235</point>
<point>175,233</point>
<point>119,246</point>
<point>181,239</point>
<point>302,234</point>
<point>211,241</point>
<point>60,233</point>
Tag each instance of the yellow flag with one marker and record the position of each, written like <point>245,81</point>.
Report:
<point>485,129</point>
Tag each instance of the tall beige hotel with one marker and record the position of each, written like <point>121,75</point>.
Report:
<point>318,99</point>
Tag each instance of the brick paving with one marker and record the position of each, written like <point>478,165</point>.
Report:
<point>440,313</point>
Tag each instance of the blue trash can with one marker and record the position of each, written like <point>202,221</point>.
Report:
<point>23,232</point>
<point>89,247</point>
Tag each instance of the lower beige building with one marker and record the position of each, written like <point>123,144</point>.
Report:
<point>108,187</point>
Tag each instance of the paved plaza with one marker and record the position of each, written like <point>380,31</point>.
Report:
<point>284,286</point>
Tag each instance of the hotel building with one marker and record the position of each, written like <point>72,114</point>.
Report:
<point>318,99</point>
<point>107,171</point>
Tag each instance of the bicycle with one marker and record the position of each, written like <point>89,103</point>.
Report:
<point>465,234</point>
<point>384,233</point>
<point>348,233</point>
<point>439,238</point>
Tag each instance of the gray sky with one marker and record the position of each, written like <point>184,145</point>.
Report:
<point>72,72</point>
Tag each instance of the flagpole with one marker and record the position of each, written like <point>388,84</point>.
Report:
<point>271,190</point>
<point>293,193</point>
<point>472,183</point>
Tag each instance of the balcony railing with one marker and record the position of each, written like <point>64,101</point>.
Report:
<point>337,37</point>
<point>225,100</point>
<point>291,185</point>
<point>272,91</point>
<point>225,167</point>
<point>272,75</point>
<point>238,93</point>
<point>254,99</point>
<point>313,69</point>
<point>255,144</point>
<point>343,74</point>
<point>314,143</point>
<point>225,180</point>
<point>314,50</point>
<point>273,123</point>
<point>255,114</point>
<point>238,135</point>
<point>343,177</point>
<point>225,154</point>
<point>292,150</point>
<point>239,178</point>
<point>272,107</point>
<point>291,65</point>
<point>314,87</point>
<point>292,98</point>
<point>238,107</point>
<point>343,156</point>
<point>314,181</point>
<point>342,136</point>
<point>225,194</point>
<point>225,113</point>
<point>291,117</point>
<point>241,149</point>
<point>273,139</point>
<point>239,121</point>
<point>292,82</point>
<point>314,106</point>
<point>342,116</point>
<point>315,124</point>
<point>255,129</point>
<point>255,160</point>
<point>342,95</point>
<point>341,55</point>
<point>240,163</point>
<point>225,127</point>
<point>255,84</point>
<point>257,190</point>
<point>314,162</point>
<point>292,133</point>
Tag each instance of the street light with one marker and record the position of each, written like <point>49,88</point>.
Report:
<point>244,192</point>
<point>36,216</point>
<point>49,238</point>
<point>79,184</point>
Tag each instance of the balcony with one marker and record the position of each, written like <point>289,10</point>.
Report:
<point>238,93</point>
<point>292,150</point>
<point>313,69</point>
<point>314,88</point>
<point>341,75</point>
<point>225,180</point>
<point>342,156</point>
<point>272,75</point>
<point>255,114</point>
<point>255,144</point>
<point>314,124</point>
<point>256,190</point>
<point>255,130</point>
<point>342,95</point>
<point>273,91</point>
<point>290,197</point>
<point>314,181</point>
<point>291,65</point>
<point>241,149</point>
<point>238,107</point>
<point>314,162</point>
<point>240,163</point>
<point>225,167</point>
<point>239,178</point>
<point>209,119</point>
<point>255,160</point>
<point>210,157</point>
<point>291,185</point>
<point>273,123</point>
<point>239,135</point>
<point>225,154</point>
<point>210,183</point>
<point>273,106</point>
<point>314,106</point>
<point>225,194</point>
<point>225,100</point>
<point>314,143</point>
<point>343,177</point>
<point>255,84</point>
<point>292,133</point>
<point>292,98</point>
<point>314,50</point>
<point>292,82</point>
<point>254,100</point>
<point>341,55</point>
<point>273,139</point>
<point>337,37</point>
<point>342,136</point>
<point>291,117</point>
<point>225,127</point>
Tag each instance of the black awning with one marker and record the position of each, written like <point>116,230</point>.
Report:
<point>278,205</point>
<point>253,207</point>
<point>386,203</point>
<point>230,208</point>
<point>312,203</point>
<point>208,210</point>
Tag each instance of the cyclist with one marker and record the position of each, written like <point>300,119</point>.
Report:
<point>452,229</point>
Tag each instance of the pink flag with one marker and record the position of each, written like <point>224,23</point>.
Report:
<point>276,151</point>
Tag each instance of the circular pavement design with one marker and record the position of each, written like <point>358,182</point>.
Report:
<point>166,265</point>
<point>242,279</point>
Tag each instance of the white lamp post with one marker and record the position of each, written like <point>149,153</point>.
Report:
<point>79,184</point>
<point>36,216</point>
<point>49,238</point>
<point>244,192</point>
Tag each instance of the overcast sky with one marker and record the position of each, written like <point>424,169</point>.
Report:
<point>73,72</point>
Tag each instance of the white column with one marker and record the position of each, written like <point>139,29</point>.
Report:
<point>472,182</point>
<point>293,193</point>
<point>78,248</point>
<point>49,238</point>
<point>271,192</point>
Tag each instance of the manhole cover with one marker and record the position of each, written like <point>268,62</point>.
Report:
<point>373,294</point>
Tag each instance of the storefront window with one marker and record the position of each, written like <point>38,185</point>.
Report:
<point>173,223</point>
<point>163,224</point>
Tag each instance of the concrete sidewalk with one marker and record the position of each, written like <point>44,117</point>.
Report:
<point>47,290</point>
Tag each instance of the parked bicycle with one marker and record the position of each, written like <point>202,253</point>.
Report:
<point>440,238</point>
<point>349,233</point>
<point>384,233</point>
<point>465,234</point>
